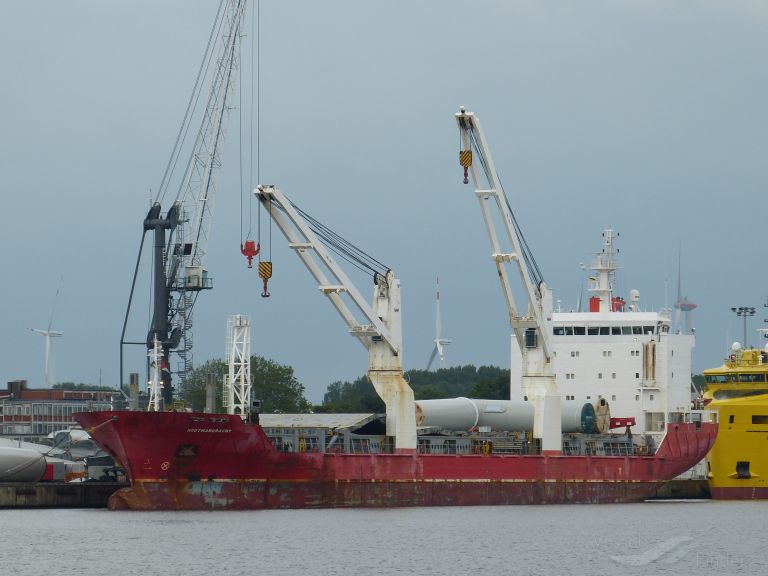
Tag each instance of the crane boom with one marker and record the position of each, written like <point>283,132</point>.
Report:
<point>377,326</point>
<point>185,261</point>
<point>532,326</point>
<point>181,234</point>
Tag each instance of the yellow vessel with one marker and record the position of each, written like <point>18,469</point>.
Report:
<point>738,391</point>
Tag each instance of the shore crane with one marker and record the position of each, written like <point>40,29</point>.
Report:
<point>181,234</point>
<point>532,322</point>
<point>377,326</point>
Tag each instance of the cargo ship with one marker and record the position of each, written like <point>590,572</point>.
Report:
<point>183,461</point>
<point>738,391</point>
<point>528,450</point>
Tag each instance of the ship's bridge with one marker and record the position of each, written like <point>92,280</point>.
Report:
<point>610,323</point>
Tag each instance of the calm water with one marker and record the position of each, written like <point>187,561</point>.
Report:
<point>679,538</point>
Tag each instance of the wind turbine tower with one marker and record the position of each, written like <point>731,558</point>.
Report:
<point>440,342</point>
<point>50,379</point>
<point>683,304</point>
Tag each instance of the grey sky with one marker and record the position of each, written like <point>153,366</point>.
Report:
<point>648,117</point>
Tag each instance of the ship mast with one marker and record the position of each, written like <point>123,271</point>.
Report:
<point>604,267</point>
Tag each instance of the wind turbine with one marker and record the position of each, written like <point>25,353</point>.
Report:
<point>48,334</point>
<point>440,343</point>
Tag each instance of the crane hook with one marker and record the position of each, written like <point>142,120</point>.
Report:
<point>250,250</point>
<point>465,159</point>
<point>265,271</point>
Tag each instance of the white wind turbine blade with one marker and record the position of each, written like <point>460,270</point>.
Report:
<point>432,357</point>
<point>55,299</point>
<point>441,352</point>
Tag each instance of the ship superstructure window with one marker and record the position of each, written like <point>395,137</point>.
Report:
<point>613,376</point>
<point>607,354</point>
<point>716,378</point>
<point>574,353</point>
<point>603,330</point>
<point>613,397</point>
<point>637,374</point>
<point>730,419</point>
<point>751,377</point>
<point>599,375</point>
<point>759,419</point>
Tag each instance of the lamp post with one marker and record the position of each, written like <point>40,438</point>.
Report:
<point>744,311</point>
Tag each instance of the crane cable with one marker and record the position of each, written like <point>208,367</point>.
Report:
<point>343,248</point>
<point>265,266</point>
<point>248,247</point>
<point>530,261</point>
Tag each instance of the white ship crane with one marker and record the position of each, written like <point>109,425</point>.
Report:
<point>181,234</point>
<point>531,322</point>
<point>377,326</point>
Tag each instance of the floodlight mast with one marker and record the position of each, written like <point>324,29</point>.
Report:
<point>533,327</point>
<point>380,329</point>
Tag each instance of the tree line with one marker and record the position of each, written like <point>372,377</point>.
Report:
<point>280,391</point>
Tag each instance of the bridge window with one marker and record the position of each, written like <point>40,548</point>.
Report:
<point>751,377</point>
<point>759,419</point>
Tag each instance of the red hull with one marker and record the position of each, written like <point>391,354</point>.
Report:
<point>745,493</point>
<point>202,461</point>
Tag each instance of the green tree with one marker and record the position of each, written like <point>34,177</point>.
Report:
<point>488,382</point>
<point>496,389</point>
<point>272,383</point>
<point>81,386</point>
<point>277,388</point>
<point>357,396</point>
<point>195,392</point>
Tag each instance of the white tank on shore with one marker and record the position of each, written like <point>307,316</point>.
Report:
<point>468,413</point>
<point>21,465</point>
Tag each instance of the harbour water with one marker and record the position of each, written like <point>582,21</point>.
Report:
<point>679,538</point>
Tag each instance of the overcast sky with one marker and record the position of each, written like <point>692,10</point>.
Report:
<point>650,117</point>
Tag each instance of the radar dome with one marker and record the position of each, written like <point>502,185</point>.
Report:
<point>634,295</point>
<point>736,346</point>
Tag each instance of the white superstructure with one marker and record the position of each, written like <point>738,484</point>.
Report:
<point>614,351</point>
